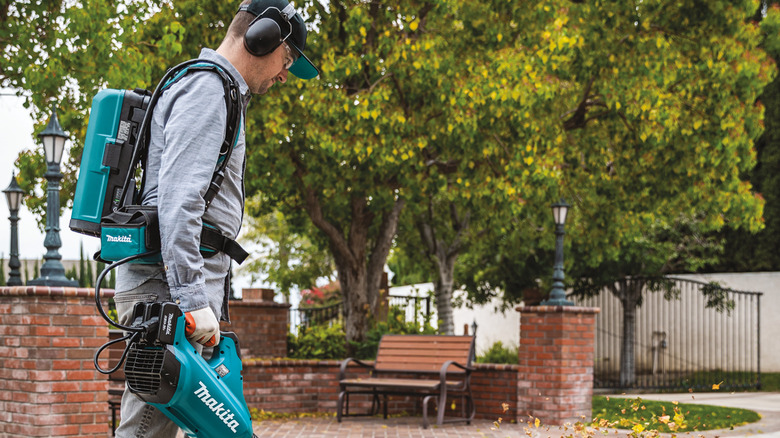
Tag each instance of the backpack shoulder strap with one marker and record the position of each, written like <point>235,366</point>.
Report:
<point>232,130</point>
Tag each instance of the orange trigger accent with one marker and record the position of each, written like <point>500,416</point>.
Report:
<point>189,326</point>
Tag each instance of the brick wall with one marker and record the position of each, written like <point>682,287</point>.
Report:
<point>48,384</point>
<point>261,327</point>
<point>555,381</point>
<point>312,386</point>
<point>492,386</point>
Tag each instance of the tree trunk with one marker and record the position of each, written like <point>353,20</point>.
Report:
<point>354,288</point>
<point>444,254</point>
<point>630,294</point>
<point>360,256</point>
<point>627,363</point>
<point>443,291</point>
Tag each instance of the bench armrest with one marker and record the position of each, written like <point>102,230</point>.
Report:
<point>346,362</point>
<point>446,365</point>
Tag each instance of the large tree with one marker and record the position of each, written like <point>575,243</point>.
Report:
<point>664,133</point>
<point>645,117</point>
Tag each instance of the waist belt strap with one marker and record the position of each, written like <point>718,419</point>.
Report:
<point>214,240</point>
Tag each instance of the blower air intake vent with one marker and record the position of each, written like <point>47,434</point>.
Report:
<point>143,369</point>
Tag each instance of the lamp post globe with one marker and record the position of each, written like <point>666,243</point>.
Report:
<point>558,293</point>
<point>52,271</point>
<point>13,195</point>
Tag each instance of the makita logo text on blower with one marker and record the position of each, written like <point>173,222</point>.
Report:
<point>119,239</point>
<point>223,414</point>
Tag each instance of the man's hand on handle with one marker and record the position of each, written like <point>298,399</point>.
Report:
<point>202,326</point>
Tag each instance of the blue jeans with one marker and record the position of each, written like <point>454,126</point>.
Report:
<point>139,419</point>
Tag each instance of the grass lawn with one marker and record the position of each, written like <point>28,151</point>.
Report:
<point>666,417</point>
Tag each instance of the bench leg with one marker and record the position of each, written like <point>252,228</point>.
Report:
<point>425,409</point>
<point>470,400</point>
<point>342,395</point>
<point>442,408</point>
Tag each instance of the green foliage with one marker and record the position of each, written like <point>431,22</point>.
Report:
<point>90,277</point>
<point>328,341</point>
<point>99,268</point>
<point>770,382</point>
<point>396,324</point>
<point>112,279</point>
<point>82,262</point>
<point>507,261</point>
<point>716,297</point>
<point>2,271</point>
<point>290,258</point>
<point>746,251</point>
<point>72,273</point>
<point>62,53</point>
<point>498,353</point>
<point>642,114</point>
<point>325,341</point>
<point>407,269</point>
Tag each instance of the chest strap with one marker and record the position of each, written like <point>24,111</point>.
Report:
<point>212,241</point>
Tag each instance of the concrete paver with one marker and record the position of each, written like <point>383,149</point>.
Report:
<point>766,404</point>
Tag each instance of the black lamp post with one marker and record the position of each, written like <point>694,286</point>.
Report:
<point>13,195</point>
<point>558,293</point>
<point>52,271</point>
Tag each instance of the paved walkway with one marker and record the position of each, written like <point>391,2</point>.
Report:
<point>766,404</point>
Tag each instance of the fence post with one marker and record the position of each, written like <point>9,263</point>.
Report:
<point>555,374</point>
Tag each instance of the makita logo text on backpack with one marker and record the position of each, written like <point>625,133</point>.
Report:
<point>217,408</point>
<point>119,239</point>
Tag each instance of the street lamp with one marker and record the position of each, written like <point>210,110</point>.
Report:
<point>558,293</point>
<point>52,271</point>
<point>13,195</point>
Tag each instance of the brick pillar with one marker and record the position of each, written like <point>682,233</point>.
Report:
<point>261,327</point>
<point>48,384</point>
<point>555,375</point>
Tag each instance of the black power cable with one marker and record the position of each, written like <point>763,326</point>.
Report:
<point>135,332</point>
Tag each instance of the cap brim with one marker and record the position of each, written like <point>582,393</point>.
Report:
<point>303,67</point>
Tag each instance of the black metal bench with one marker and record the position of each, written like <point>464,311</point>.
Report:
<point>430,366</point>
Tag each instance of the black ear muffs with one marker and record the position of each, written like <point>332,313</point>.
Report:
<point>263,36</point>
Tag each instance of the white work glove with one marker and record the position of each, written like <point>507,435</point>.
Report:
<point>202,327</point>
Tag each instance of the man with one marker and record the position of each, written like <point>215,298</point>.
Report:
<point>263,43</point>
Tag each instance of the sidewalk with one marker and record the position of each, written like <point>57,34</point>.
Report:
<point>766,404</point>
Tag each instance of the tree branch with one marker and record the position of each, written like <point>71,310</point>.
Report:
<point>313,207</point>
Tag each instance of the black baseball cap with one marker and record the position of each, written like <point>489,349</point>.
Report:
<point>282,12</point>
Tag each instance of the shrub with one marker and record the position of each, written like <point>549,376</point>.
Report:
<point>497,353</point>
<point>318,342</point>
<point>396,324</point>
<point>329,341</point>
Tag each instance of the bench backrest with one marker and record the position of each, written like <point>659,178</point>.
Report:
<point>423,353</point>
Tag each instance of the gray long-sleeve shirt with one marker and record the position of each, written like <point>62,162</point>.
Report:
<point>187,131</point>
